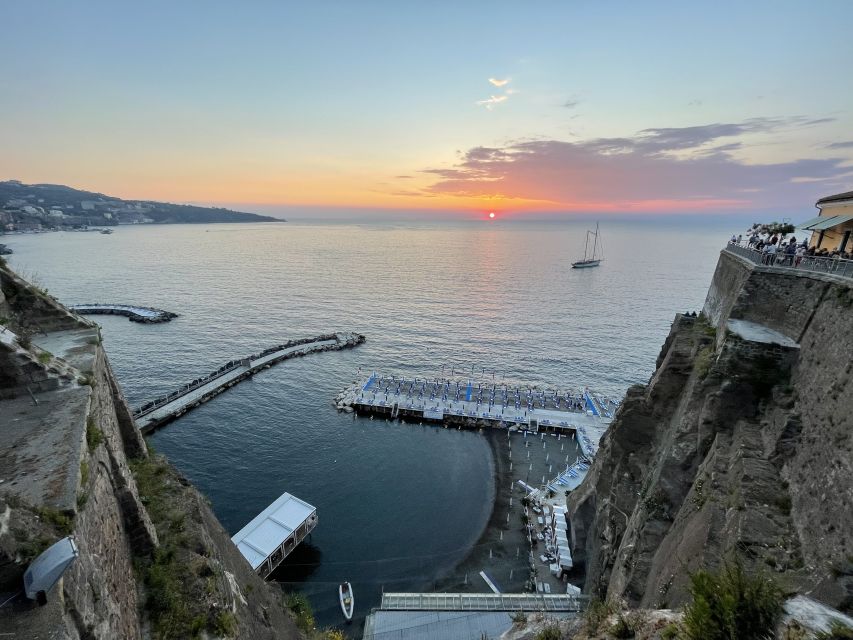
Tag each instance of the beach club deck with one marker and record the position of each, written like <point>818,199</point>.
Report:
<point>582,413</point>
<point>271,535</point>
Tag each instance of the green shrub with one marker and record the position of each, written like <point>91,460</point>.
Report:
<point>838,631</point>
<point>301,610</point>
<point>57,518</point>
<point>24,340</point>
<point>32,549</point>
<point>704,360</point>
<point>224,624</point>
<point>731,604</point>
<point>596,613</point>
<point>621,629</point>
<point>550,632</point>
<point>669,632</point>
<point>94,436</point>
<point>45,357</point>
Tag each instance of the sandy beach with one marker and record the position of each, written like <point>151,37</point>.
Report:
<point>502,550</point>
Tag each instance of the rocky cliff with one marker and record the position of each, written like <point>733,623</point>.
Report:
<point>740,444</point>
<point>154,561</point>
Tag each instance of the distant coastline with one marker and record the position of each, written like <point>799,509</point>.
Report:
<point>49,207</point>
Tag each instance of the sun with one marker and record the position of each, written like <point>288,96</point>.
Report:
<point>492,215</point>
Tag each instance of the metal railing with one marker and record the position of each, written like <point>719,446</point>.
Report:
<point>784,262</point>
<point>482,602</point>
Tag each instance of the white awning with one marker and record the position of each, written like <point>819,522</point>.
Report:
<point>827,222</point>
<point>271,527</point>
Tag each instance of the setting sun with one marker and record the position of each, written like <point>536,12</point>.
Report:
<point>492,215</point>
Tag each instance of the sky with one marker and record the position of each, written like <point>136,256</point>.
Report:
<point>558,107</point>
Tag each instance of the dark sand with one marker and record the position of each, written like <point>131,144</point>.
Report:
<point>503,540</point>
<point>508,565</point>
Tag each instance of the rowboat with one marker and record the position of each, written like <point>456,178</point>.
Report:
<point>347,600</point>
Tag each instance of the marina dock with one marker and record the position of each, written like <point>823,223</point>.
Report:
<point>580,414</point>
<point>464,402</point>
<point>162,410</point>
<point>146,315</point>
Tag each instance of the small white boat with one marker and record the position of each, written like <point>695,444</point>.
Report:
<point>347,600</point>
<point>590,260</point>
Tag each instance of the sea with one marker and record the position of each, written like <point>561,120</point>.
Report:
<point>399,505</point>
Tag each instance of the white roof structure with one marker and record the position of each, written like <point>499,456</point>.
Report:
<point>267,531</point>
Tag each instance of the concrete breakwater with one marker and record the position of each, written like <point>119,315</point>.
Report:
<point>158,412</point>
<point>145,315</point>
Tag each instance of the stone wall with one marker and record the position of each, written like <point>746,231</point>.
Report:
<point>781,299</point>
<point>735,447</point>
<point>65,464</point>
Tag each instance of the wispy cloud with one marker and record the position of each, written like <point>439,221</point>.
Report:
<point>494,100</point>
<point>571,103</point>
<point>491,101</point>
<point>841,145</point>
<point>682,168</point>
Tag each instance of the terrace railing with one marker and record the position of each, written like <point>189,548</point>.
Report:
<point>783,262</point>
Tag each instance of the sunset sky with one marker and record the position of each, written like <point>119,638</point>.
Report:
<point>571,106</point>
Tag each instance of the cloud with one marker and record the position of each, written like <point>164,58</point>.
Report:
<point>571,104</point>
<point>499,83</point>
<point>492,101</point>
<point>841,145</point>
<point>684,168</point>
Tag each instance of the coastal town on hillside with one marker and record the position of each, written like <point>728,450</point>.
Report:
<point>37,208</point>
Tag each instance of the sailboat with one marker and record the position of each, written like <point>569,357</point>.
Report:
<point>590,260</point>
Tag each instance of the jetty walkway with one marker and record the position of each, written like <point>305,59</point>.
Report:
<point>482,602</point>
<point>146,315</point>
<point>162,410</point>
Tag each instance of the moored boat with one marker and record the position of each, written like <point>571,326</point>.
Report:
<point>347,600</point>
<point>590,260</point>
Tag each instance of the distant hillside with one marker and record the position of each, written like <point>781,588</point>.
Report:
<point>33,206</point>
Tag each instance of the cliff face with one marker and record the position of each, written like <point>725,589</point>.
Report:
<point>740,443</point>
<point>154,561</point>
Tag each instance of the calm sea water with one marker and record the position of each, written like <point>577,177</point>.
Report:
<point>398,504</point>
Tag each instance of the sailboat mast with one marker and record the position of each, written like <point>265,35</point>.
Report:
<point>586,245</point>
<point>595,242</point>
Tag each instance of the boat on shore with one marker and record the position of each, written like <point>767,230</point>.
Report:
<point>347,600</point>
<point>106,231</point>
<point>590,260</point>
